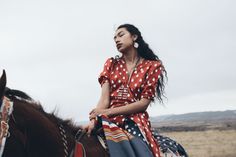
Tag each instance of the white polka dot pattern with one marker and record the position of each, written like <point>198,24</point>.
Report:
<point>142,84</point>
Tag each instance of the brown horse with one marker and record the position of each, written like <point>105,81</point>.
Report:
<point>35,133</point>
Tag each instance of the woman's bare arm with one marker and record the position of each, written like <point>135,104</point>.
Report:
<point>136,107</point>
<point>104,99</point>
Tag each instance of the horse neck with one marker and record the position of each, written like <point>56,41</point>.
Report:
<point>67,134</point>
<point>43,136</point>
<point>43,130</point>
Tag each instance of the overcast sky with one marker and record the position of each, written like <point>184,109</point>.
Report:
<point>55,50</point>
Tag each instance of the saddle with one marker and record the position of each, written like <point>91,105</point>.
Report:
<point>79,150</point>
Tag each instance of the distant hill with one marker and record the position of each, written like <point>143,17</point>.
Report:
<point>208,116</point>
<point>196,121</point>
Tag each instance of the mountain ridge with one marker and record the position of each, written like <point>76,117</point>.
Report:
<point>196,121</point>
<point>207,115</point>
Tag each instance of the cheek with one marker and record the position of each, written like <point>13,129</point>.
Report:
<point>128,41</point>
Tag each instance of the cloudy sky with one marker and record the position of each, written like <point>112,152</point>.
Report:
<point>54,50</point>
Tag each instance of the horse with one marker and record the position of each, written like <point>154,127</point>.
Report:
<point>36,133</point>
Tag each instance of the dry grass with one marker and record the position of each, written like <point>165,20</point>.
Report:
<point>211,143</point>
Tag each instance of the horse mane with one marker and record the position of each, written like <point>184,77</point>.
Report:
<point>21,96</point>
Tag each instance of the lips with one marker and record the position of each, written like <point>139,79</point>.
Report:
<point>118,45</point>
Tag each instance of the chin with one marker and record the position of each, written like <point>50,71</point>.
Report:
<point>122,50</point>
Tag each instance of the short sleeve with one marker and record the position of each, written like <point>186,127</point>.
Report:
<point>150,84</point>
<point>105,74</point>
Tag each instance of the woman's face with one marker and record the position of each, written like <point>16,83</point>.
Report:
<point>124,40</point>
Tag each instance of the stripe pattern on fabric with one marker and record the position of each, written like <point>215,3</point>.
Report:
<point>121,143</point>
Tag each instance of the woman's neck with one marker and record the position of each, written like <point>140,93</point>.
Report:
<point>131,56</point>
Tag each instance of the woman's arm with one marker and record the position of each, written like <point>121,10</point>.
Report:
<point>139,106</point>
<point>104,100</point>
<point>136,107</point>
<point>103,103</point>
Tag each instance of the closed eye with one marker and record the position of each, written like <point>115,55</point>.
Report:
<point>120,34</point>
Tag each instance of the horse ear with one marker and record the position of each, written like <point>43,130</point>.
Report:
<point>3,81</point>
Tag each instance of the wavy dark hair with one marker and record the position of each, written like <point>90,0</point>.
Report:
<point>145,52</point>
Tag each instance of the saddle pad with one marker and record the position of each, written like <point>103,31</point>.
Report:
<point>79,150</point>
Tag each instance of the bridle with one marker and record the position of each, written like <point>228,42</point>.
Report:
<point>5,112</point>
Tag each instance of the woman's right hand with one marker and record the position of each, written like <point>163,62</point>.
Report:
<point>89,127</point>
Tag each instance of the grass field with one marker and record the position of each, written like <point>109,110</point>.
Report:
<point>210,143</point>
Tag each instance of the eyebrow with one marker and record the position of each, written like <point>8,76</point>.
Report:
<point>118,34</point>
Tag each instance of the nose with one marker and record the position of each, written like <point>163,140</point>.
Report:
<point>117,41</point>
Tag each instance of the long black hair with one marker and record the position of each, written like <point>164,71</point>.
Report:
<point>145,52</point>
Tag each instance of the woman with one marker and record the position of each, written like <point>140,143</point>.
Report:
<point>129,84</point>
